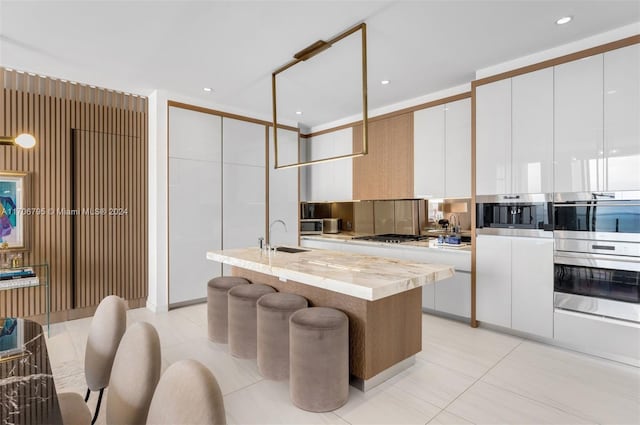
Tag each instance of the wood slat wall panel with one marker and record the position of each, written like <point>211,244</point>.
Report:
<point>113,174</point>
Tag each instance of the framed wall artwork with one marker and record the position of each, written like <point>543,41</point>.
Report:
<point>13,211</point>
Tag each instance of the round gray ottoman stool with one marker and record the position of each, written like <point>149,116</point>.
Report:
<point>242,319</point>
<point>217,289</point>
<point>319,359</point>
<point>274,311</point>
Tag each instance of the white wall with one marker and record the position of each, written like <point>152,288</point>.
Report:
<point>158,298</point>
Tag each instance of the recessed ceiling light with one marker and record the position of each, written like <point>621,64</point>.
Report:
<point>564,20</point>
<point>384,82</point>
<point>298,112</point>
<point>207,89</point>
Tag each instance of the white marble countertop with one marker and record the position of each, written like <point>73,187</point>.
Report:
<point>463,249</point>
<point>362,276</point>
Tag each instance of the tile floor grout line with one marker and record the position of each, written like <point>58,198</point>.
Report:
<point>541,402</point>
<point>479,378</point>
<point>528,397</point>
<point>435,416</point>
<point>243,388</point>
<point>340,417</point>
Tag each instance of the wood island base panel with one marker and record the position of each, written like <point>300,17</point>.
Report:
<point>384,334</point>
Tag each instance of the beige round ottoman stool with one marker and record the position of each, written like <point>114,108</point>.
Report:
<point>319,359</point>
<point>274,311</point>
<point>242,319</point>
<point>217,289</point>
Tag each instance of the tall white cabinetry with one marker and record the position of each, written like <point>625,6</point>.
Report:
<point>597,130</point>
<point>622,118</point>
<point>333,180</point>
<point>442,151</point>
<point>532,132</point>
<point>195,210</point>
<point>514,283</point>
<point>578,106</point>
<point>514,135</point>
<point>493,138</point>
<point>283,188</point>
<point>243,183</point>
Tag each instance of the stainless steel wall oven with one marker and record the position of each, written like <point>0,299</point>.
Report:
<point>597,254</point>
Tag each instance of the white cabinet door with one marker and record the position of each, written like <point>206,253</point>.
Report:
<point>428,152</point>
<point>610,338</point>
<point>330,181</point>
<point>578,109</point>
<point>428,296</point>
<point>195,211</point>
<point>457,155</point>
<point>194,135</point>
<point>453,295</point>
<point>243,142</point>
<point>493,138</point>
<point>342,171</point>
<point>532,286</point>
<point>622,118</point>
<point>283,188</point>
<point>319,175</point>
<point>493,280</point>
<point>532,132</point>
<point>243,183</point>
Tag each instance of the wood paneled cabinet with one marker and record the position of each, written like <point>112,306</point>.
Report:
<point>386,172</point>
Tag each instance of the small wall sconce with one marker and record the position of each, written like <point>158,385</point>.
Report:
<point>24,140</point>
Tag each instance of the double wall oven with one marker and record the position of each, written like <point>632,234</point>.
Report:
<point>597,254</point>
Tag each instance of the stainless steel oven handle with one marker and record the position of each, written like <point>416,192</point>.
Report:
<point>609,262</point>
<point>606,247</point>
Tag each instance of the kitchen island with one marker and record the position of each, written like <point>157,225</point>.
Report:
<point>381,296</point>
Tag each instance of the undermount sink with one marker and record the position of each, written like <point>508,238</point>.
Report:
<point>290,250</point>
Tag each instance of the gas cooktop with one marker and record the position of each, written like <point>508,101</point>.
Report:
<point>392,238</point>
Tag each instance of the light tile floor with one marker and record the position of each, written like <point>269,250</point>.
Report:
<point>462,376</point>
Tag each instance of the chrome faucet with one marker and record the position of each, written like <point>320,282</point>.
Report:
<point>269,244</point>
<point>455,228</point>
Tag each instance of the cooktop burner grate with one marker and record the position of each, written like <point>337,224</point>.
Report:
<point>392,238</point>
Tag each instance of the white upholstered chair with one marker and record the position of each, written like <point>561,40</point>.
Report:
<point>187,393</point>
<point>134,376</point>
<point>105,332</point>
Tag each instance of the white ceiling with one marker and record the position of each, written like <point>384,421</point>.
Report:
<point>233,46</point>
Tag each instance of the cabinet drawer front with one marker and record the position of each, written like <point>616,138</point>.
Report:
<point>609,338</point>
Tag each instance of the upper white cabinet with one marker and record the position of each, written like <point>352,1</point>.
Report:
<point>333,180</point>
<point>578,106</point>
<point>283,188</point>
<point>532,132</point>
<point>493,138</point>
<point>428,152</point>
<point>243,183</point>
<point>622,118</point>
<point>569,128</point>
<point>442,151</point>
<point>457,158</point>
<point>514,135</point>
